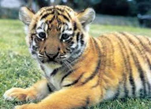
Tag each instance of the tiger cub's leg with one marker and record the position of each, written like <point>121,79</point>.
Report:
<point>35,92</point>
<point>67,99</point>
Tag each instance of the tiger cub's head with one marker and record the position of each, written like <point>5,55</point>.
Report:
<point>57,33</point>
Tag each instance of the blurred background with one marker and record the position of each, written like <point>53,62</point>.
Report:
<point>109,12</point>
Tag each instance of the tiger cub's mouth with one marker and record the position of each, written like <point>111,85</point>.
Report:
<point>49,58</point>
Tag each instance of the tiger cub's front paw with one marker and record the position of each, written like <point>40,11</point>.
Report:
<point>29,106</point>
<point>20,94</point>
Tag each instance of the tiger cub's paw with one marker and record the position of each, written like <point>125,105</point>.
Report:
<point>29,106</point>
<point>20,94</point>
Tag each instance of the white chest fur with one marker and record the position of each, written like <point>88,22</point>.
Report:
<point>53,79</point>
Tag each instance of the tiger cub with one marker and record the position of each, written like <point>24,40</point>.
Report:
<point>81,70</point>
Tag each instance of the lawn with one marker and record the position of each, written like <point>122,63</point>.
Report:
<point>18,69</point>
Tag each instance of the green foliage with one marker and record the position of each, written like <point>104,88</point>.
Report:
<point>143,6</point>
<point>18,69</point>
<point>114,7</point>
<point>121,7</point>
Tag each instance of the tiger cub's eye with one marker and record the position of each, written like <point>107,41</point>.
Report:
<point>65,36</point>
<point>42,35</point>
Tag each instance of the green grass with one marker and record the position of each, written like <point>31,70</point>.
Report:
<point>18,69</point>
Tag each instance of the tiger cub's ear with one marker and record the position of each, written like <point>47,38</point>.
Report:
<point>25,15</point>
<point>86,17</point>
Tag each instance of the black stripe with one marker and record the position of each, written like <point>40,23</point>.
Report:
<point>104,56</point>
<point>75,26</point>
<point>117,93</point>
<point>41,25</point>
<point>65,17</point>
<point>128,67</point>
<point>77,52</point>
<point>46,15</point>
<point>137,62</point>
<point>146,57</point>
<point>63,30</point>
<point>135,45</point>
<point>61,10</point>
<point>140,70</point>
<point>31,10</point>
<point>103,61</point>
<point>50,21</point>
<point>69,29</point>
<point>66,75</point>
<point>68,9</point>
<point>149,89</point>
<point>74,82</point>
<point>141,93</point>
<point>98,64</point>
<point>39,28</point>
<point>147,49</point>
<point>54,72</point>
<point>49,88</point>
<point>131,79</point>
<point>42,68</point>
<point>59,29</point>
<point>149,63</point>
<point>81,39</point>
<point>87,102</point>
<point>50,9</point>
<point>126,63</point>
<point>126,91</point>
<point>149,42</point>
<point>34,26</point>
<point>98,82</point>
<point>112,63</point>
<point>78,36</point>
<point>68,15</point>
<point>76,48</point>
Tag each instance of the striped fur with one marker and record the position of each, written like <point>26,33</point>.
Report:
<point>81,70</point>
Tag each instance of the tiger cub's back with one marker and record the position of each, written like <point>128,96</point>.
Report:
<point>126,65</point>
